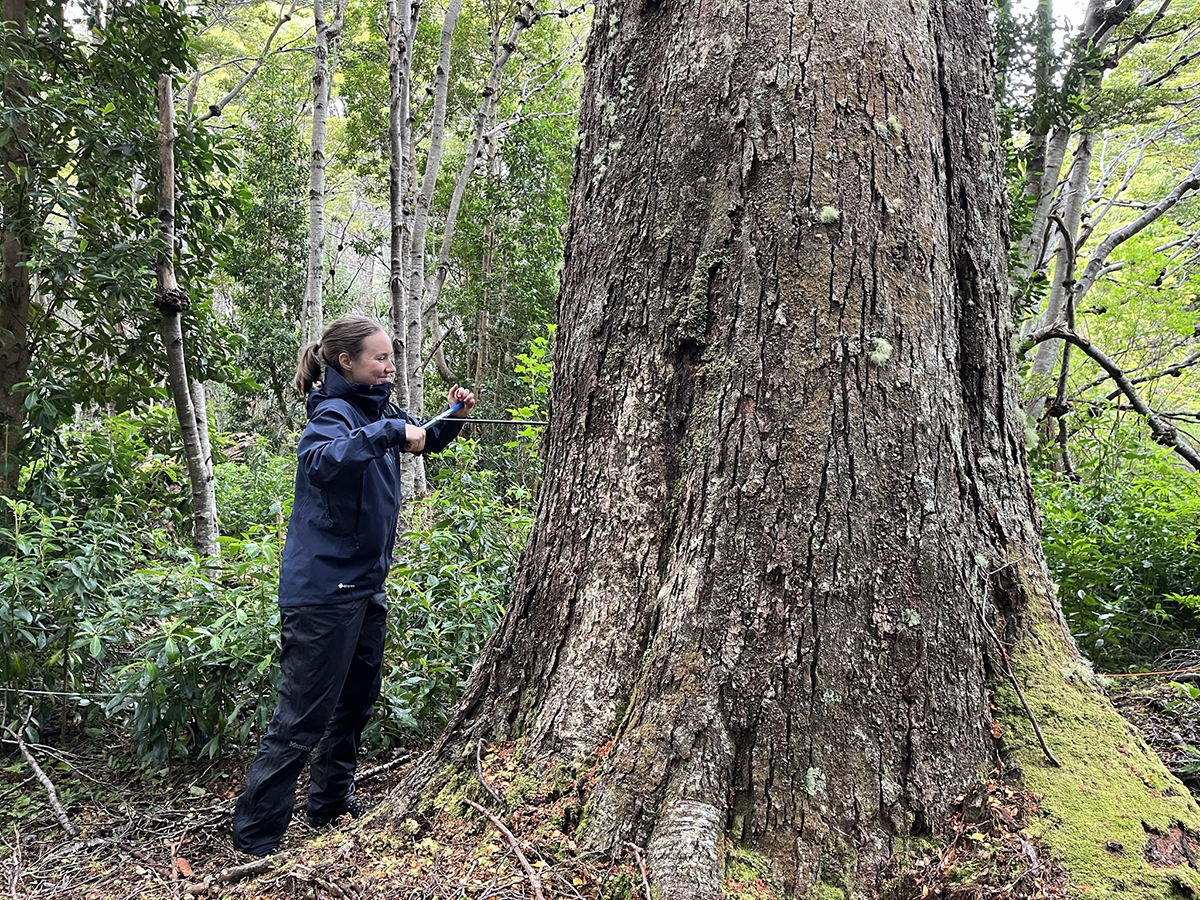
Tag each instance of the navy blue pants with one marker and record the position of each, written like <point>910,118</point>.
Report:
<point>332,661</point>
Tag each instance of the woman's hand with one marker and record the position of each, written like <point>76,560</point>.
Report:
<point>414,438</point>
<point>466,398</point>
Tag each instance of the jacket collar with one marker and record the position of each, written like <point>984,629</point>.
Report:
<point>373,399</point>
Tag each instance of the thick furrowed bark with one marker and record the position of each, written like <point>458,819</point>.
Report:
<point>783,451</point>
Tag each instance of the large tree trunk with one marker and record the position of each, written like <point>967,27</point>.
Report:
<point>15,289</point>
<point>172,301</point>
<point>785,473</point>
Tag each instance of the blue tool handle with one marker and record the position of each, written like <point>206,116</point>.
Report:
<point>445,413</point>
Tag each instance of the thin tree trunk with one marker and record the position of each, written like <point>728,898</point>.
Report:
<point>16,227</point>
<point>312,316</point>
<point>487,104</point>
<point>414,364</point>
<point>173,301</point>
<point>1050,139</point>
<point>399,13</point>
<point>785,474</point>
<point>1045,154</point>
<point>1072,199</point>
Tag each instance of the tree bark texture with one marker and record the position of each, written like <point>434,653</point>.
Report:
<point>16,225</point>
<point>189,397</point>
<point>785,459</point>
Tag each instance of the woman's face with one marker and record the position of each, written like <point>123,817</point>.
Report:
<point>373,365</point>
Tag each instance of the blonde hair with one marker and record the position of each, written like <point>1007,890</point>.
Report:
<point>344,335</point>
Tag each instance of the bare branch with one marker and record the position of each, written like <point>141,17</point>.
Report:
<point>59,812</point>
<point>1115,238</point>
<point>219,107</point>
<point>1144,34</point>
<point>1172,371</point>
<point>534,881</point>
<point>1164,433</point>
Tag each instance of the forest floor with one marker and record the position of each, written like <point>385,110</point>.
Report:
<point>167,835</point>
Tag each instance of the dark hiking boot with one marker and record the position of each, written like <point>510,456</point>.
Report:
<point>353,807</point>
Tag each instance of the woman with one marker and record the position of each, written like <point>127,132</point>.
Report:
<point>333,610</point>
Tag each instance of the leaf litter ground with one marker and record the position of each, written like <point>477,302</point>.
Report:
<point>169,838</point>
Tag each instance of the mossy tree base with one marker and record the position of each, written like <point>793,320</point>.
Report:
<point>1117,820</point>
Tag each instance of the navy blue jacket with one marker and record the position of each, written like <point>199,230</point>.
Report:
<point>343,524</point>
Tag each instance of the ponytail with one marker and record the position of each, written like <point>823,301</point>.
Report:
<point>309,368</point>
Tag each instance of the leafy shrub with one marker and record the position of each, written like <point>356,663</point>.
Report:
<point>55,570</point>
<point>255,492</point>
<point>1125,552</point>
<point>450,578</point>
<point>203,664</point>
<point>130,463</point>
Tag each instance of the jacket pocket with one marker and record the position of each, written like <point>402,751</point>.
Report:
<point>341,517</point>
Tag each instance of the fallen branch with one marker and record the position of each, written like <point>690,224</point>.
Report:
<point>479,772</point>
<point>1012,676</point>
<point>533,877</point>
<point>41,776</point>
<point>637,854</point>
<point>16,864</point>
<point>378,770</point>
<point>231,875</point>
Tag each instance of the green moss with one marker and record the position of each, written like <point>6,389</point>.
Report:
<point>748,875</point>
<point>835,880</point>
<point>450,788</point>
<point>1111,789</point>
<point>691,318</point>
<point>619,887</point>
<point>563,775</point>
<point>524,789</point>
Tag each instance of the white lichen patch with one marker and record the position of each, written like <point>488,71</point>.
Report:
<point>828,215</point>
<point>828,697</point>
<point>814,782</point>
<point>880,353</point>
<point>894,124</point>
<point>911,618</point>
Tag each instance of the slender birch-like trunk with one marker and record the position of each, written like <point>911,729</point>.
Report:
<point>399,13</point>
<point>173,301</point>
<point>1050,139</point>
<point>414,369</point>
<point>525,18</point>
<point>312,315</point>
<point>1072,199</point>
<point>415,323</point>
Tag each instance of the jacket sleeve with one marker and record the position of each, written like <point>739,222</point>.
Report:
<point>331,450</point>
<point>439,435</point>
